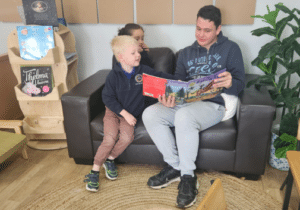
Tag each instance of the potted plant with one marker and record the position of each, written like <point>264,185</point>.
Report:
<point>281,51</point>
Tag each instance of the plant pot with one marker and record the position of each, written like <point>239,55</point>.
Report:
<point>278,163</point>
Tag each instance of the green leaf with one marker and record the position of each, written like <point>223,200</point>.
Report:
<point>289,124</point>
<point>279,99</point>
<point>267,83</point>
<point>263,31</point>
<point>283,8</point>
<point>267,51</point>
<point>288,54</point>
<point>280,25</point>
<point>264,68</point>
<point>274,66</point>
<point>273,94</point>
<point>287,92</point>
<point>294,28</point>
<point>281,62</point>
<point>288,138</point>
<point>281,152</point>
<point>256,61</point>
<point>257,86</point>
<point>292,102</point>
<point>282,81</point>
<point>294,67</point>
<point>278,143</point>
<point>287,42</point>
<point>250,83</point>
<point>271,17</point>
<point>296,47</point>
<point>297,10</point>
<point>295,88</point>
<point>257,16</point>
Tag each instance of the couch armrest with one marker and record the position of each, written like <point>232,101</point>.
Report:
<point>80,106</point>
<point>254,121</point>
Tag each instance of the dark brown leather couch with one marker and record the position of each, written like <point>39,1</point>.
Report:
<point>240,144</point>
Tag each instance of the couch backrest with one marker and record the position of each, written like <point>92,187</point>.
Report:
<point>163,58</point>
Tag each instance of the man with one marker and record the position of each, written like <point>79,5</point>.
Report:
<point>210,53</point>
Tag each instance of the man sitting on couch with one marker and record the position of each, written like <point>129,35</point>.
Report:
<point>210,53</point>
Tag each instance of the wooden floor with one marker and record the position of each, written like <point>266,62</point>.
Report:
<point>20,179</point>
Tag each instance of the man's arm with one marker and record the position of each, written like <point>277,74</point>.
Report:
<point>234,78</point>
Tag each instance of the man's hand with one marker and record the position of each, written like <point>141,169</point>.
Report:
<point>168,103</point>
<point>145,47</point>
<point>128,117</point>
<point>224,80</point>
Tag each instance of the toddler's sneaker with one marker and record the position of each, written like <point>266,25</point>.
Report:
<point>110,169</point>
<point>92,180</point>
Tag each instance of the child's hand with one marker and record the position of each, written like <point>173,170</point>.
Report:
<point>128,117</point>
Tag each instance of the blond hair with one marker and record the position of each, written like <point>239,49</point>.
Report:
<point>120,43</point>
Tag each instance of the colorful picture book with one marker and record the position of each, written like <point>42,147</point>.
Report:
<point>40,12</point>
<point>184,92</point>
<point>36,80</point>
<point>35,41</point>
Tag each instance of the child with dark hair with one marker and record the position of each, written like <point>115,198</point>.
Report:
<point>137,32</point>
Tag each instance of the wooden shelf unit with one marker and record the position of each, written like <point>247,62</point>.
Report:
<point>43,122</point>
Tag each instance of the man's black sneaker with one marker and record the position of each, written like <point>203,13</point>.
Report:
<point>188,190</point>
<point>110,169</point>
<point>92,180</point>
<point>165,177</point>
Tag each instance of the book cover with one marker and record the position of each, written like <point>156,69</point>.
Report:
<point>36,80</point>
<point>35,41</point>
<point>40,12</point>
<point>184,92</point>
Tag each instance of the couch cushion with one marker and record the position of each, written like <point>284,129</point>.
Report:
<point>221,136</point>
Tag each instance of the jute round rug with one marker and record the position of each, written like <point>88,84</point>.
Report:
<point>130,192</point>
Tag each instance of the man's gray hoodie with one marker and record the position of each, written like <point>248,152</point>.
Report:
<point>195,62</point>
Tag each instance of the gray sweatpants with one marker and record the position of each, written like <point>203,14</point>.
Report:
<point>188,119</point>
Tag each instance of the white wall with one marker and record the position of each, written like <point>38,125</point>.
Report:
<point>92,40</point>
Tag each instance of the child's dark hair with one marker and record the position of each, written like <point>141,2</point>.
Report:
<point>128,28</point>
<point>211,13</point>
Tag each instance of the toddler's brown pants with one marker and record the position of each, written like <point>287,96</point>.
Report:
<point>114,127</point>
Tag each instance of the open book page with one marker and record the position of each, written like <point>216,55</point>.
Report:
<point>184,92</point>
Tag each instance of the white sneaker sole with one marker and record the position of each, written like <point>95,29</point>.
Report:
<point>106,174</point>
<point>194,201</point>
<point>166,184</point>
<point>91,190</point>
